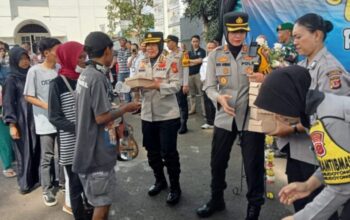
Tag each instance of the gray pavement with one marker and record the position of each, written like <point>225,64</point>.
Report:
<point>135,177</point>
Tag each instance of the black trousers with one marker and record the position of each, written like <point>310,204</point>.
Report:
<point>299,171</point>
<point>75,193</point>
<point>252,146</point>
<point>183,105</point>
<point>209,109</point>
<point>160,141</point>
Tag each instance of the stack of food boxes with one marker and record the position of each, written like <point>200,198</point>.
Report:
<point>263,121</point>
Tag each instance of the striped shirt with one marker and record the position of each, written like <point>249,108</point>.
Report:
<point>122,57</point>
<point>62,115</point>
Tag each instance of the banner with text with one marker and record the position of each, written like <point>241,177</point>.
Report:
<point>266,15</point>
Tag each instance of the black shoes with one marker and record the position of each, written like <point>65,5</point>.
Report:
<point>156,188</point>
<point>253,212</point>
<point>210,208</point>
<point>173,197</point>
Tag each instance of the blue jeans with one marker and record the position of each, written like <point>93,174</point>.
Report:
<point>121,78</point>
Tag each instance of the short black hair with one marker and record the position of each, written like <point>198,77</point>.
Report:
<point>136,45</point>
<point>47,44</point>
<point>214,42</point>
<point>96,43</point>
<point>95,53</point>
<point>196,36</point>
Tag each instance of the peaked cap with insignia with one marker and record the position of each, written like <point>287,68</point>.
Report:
<point>153,37</point>
<point>235,21</point>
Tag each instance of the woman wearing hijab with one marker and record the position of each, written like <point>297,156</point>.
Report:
<point>19,115</point>
<point>61,103</point>
<point>329,129</point>
<point>327,75</point>
<point>160,117</point>
<point>6,152</point>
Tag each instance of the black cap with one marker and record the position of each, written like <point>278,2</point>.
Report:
<point>172,38</point>
<point>153,37</point>
<point>235,21</point>
<point>98,41</point>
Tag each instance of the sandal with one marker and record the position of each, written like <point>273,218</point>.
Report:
<point>9,173</point>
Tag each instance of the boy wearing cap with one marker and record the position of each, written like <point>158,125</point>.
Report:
<point>284,36</point>
<point>179,65</point>
<point>95,155</point>
<point>161,117</point>
<point>229,71</point>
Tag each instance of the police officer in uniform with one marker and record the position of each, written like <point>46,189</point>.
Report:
<point>227,86</point>
<point>160,117</point>
<point>327,75</point>
<point>179,64</point>
<point>329,129</point>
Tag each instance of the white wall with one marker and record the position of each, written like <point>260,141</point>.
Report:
<point>66,19</point>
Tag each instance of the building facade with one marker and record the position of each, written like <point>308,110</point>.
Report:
<point>31,20</point>
<point>169,18</point>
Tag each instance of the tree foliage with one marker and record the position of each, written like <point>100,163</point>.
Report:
<point>131,11</point>
<point>207,11</point>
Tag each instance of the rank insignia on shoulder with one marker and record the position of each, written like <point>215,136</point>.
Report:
<point>334,78</point>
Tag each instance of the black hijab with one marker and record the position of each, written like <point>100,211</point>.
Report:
<point>161,48</point>
<point>15,56</point>
<point>284,92</point>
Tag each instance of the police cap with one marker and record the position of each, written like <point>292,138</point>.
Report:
<point>153,37</point>
<point>235,21</point>
<point>172,38</point>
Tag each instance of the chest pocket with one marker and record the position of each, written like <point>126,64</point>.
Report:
<point>247,64</point>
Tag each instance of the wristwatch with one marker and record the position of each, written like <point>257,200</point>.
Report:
<point>295,129</point>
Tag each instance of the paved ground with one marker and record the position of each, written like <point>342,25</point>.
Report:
<point>134,178</point>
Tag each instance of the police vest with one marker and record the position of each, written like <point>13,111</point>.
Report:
<point>333,159</point>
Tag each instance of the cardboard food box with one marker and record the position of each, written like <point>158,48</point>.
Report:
<point>266,122</point>
<point>254,88</point>
<point>138,82</point>
<point>252,99</point>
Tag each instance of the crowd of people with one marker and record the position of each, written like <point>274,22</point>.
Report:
<point>58,111</point>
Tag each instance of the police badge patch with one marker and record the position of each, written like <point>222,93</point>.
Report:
<point>334,78</point>
<point>174,68</point>
<point>223,81</point>
<point>318,142</point>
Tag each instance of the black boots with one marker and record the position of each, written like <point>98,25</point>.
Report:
<point>183,127</point>
<point>173,196</point>
<point>253,212</point>
<point>157,187</point>
<point>210,208</point>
